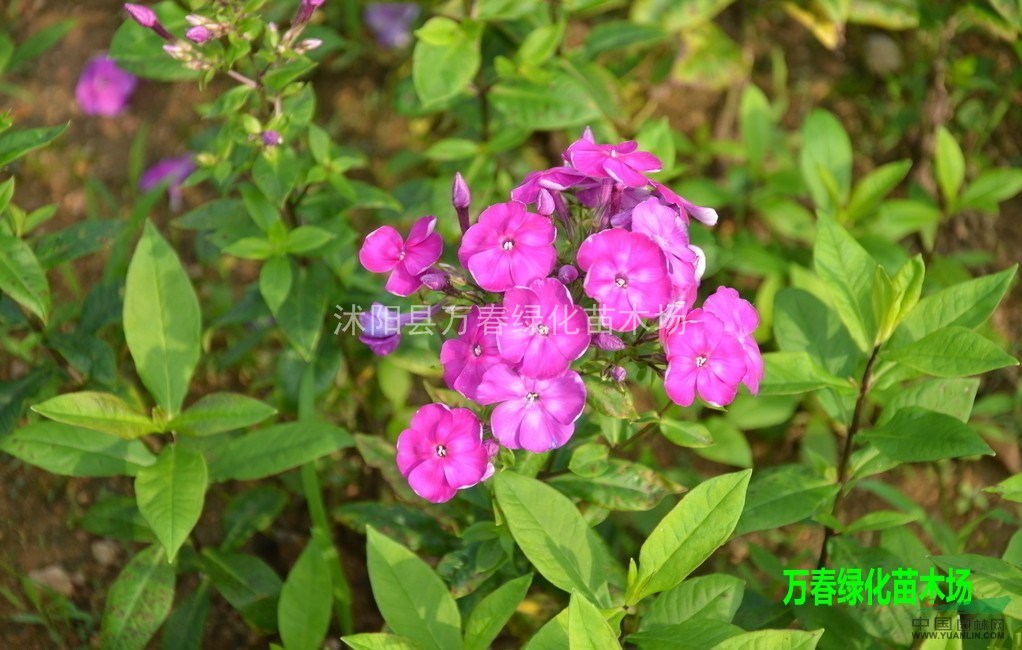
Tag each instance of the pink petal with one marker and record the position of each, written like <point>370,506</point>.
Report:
<point>430,420</point>
<point>454,355</point>
<point>429,482</point>
<point>643,161</point>
<point>401,283</point>
<point>542,359</point>
<point>564,397</point>
<point>381,250</point>
<point>505,422</point>
<point>422,255</point>
<point>492,269</point>
<point>540,432</point>
<point>754,367</point>
<point>537,230</point>
<point>617,169</point>
<point>466,469</point>
<point>680,384</point>
<point>529,263</point>
<point>421,230</point>
<point>714,390</point>
<point>500,384</point>
<point>465,431</point>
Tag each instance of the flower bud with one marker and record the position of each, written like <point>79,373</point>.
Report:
<point>434,280</point>
<point>615,374</point>
<point>308,45</point>
<point>198,34</point>
<point>461,197</point>
<point>545,202</point>
<point>567,274</point>
<point>143,15</point>
<point>609,342</point>
<point>271,138</point>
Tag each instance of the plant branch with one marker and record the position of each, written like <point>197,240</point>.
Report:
<point>846,451</point>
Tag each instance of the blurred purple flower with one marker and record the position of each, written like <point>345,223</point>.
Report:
<point>391,22</point>
<point>198,34</point>
<point>271,138</point>
<point>103,88</point>
<point>171,170</point>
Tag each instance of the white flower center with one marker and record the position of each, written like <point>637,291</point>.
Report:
<point>621,281</point>
<point>441,451</point>
<point>700,361</point>
<point>613,153</point>
<point>531,397</point>
<point>542,330</point>
<point>477,350</point>
<point>507,245</point>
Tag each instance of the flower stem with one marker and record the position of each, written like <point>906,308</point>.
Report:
<point>846,451</point>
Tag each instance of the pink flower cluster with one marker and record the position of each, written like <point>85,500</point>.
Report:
<point>629,258</point>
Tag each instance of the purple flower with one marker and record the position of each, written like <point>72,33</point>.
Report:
<point>384,250</point>
<point>567,274</point>
<point>198,34</point>
<point>467,357</point>
<point>381,328</point>
<point>391,22</point>
<point>147,18</point>
<point>461,197</point>
<point>533,414</point>
<point>173,171</point>
<point>703,359</point>
<point>740,319</point>
<point>442,452</point>
<point>508,247</point>
<point>668,231</point>
<point>707,216</point>
<point>271,138</point>
<point>626,273</point>
<point>556,179</point>
<point>103,88</point>
<point>305,11</point>
<point>622,162</point>
<point>542,329</point>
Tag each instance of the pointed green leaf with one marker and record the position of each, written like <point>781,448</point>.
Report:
<point>493,612</point>
<point>826,161</point>
<point>414,601</point>
<point>275,282</point>
<point>783,495</point>
<point>714,597</point>
<point>587,629</point>
<point>949,165</point>
<point>275,449</point>
<point>73,451</point>
<point>185,627</point>
<point>22,278</point>
<point>170,495</point>
<point>247,583</point>
<point>104,412</point>
<point>162,323</point>
<point>15,144</point>
<point>445,59</point>
<point>951,352</point>
<point>772,639</point>
<point>701,523</point>
<point>138,602</point>
<point>380,641</point>
<point>220,412</point>
<point>848,271</point>
<point>301,316</point>
<point>917,435</point>
<point>303,611</point>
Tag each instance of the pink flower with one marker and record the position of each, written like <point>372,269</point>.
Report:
<point>542,329</point>
<point>468,357</point>
<point>557,179</point>
<point>104,89</point>
<point>707,216</point>
<point>442,452</point>
<point>172,171</point>
<point>383,250</point>
<point>508,247</point>
<point>740,319</point>
<point>670,233</point>
<point>626,273</point>
<point>622,162</point>
<point>533,414</point>
<point>703,358</point>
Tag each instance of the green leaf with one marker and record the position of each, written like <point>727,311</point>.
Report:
<point>1009,488</point>
<point>275,449</point>
<point>611,399</point>
<point>247,583</point>
<point>305,239</point>
<point>586,626</point>
<point>990,188</point>
<point>622,485</point>
<point>917,435</point>
<point>185,627</point>
<point>967,304</point>
<point>849,272</point>
<point>250,512</point>
<point>117,517</point>
<point>714,597</point>
<point>676,16</point>
<point>540,44</point>
<point>553,635</point>
<point>952,397</point>
<point>555,540</point>
<point>561,103</point>
<point>275,173</point>
<point>656,137</point>
<point>138,602</point>
<point>693,634</point>
<point>72,451</point>
<point>686,434</point>
<point>880,520</point>
<point>772,639</point>
<point>170,495</point>
<point>712,59</point>
<point>414,601</point>
<point>22,278</point>
<point>104,412</point>
<point>791,373</point>
<point>949,165</point>
<point>40,42</point>
<point>729,444</point>
<point>951,352</point>
<point>15,144</point>
<point>994,581</point>
<point>872,189</point>
<point>162,323</point>
<point>302,314</point>
<point>380,641</point>
<point>493,612</point>
<point>826,161</point>
<point>140,51</point>
<point>220,412</point>
<point>303,610</point>
<point>783,495</point>
<point>451,149</point>
<point>251,248</point>
<point>756,125</point>
<point>689,534</point>
<point>802,323</point>
<point>887,14</point>
<point>445,59</point>
<point>275,282</point>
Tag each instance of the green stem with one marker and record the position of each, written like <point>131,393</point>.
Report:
<point>321,529</point>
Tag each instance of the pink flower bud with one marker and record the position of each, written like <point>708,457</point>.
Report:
<point>609,342</point>
<point>545,202</point>
<point>434,280</point>
<point>144,16</point>
<point>308,45</point>
<point>461,197</point>
<point>198,34</point>
<point>615,374</point>
<point>567,274</point>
